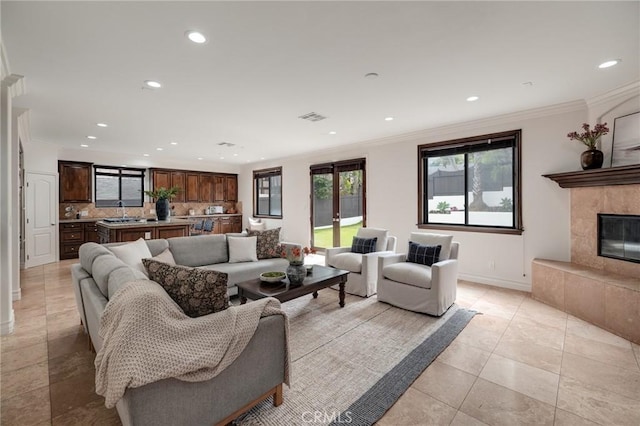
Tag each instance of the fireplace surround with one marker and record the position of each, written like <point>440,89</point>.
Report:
<point>619,237</point>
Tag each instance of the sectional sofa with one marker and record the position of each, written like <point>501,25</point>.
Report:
<point>255,375</point>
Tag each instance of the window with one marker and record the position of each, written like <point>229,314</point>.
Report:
<point>114,184</point>
<point>471,184</point>
<point>267,193</point>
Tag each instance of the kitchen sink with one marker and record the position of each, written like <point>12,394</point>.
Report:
<point>122,219</point>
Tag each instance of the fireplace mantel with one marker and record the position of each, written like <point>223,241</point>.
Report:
<point>623,175</point>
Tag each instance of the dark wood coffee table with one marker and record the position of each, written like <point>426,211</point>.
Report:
<point>321,277</point>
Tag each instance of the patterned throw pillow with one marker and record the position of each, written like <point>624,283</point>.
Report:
<point>197,291</point>
<point>363,245</point>
<point>425,255</point>
<point>268,243</point>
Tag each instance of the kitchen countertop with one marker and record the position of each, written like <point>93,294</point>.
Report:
<point>197,216</point>
<point>150,224</point>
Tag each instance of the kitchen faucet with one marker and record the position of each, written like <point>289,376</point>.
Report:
<point>120,204</point>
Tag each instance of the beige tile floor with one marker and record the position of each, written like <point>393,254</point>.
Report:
<point>521,362</point>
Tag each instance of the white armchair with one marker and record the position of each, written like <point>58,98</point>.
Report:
<point>417,287</point>
<point>363,268</point>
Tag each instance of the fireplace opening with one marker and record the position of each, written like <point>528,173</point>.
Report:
<point>619,237</point>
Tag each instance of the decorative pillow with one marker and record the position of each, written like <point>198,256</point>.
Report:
<point>197,291</point>
<point>165,257</point>
<point>257,227</point>
<point>133,253</point>
<point>267,244</point>
<point>363,245</point>
<point>434,240</point>
<point>425,255</point>
<point>242,249</point>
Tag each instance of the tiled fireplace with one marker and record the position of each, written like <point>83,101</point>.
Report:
<point>601,290</point>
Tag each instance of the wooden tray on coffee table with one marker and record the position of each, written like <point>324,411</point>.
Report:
<point>321,277</point>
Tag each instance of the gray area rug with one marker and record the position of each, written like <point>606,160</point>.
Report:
<point>351,365</point>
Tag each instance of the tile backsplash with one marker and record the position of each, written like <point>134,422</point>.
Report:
<point>177,209</point>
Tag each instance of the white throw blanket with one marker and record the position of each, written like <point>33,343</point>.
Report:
<point>148,338</point>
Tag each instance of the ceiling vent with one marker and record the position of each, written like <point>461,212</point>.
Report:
<point>227,144</point>
<point>312,116</point>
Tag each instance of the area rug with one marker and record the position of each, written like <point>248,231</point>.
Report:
<point>350,365</point>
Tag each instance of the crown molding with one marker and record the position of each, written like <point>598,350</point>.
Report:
<point>24,124</point>
<point>4,70</point>
<point>627,91</point>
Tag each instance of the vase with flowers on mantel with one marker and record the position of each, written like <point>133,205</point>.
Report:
<point>593,157</point>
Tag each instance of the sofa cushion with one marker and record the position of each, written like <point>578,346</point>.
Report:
<point>381,234</point>
<point>103,266</point>
<point>409,273</point>
<point>363,245</point>
<point>133,253</point>
<point>157,246</point>
<point>434,240</point>
<point>242,249</point>
<point>165,257</point>
<point>348,261</point>
<point>267,244</point>
<point>424,255</point>
<point>197,291</point>
<point>199,250</point>
<point>88,253</point>
<point>122,276</point>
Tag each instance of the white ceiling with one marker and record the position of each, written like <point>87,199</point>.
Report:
<point>266,63</point>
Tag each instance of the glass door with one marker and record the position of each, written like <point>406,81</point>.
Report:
<point>338,202</point>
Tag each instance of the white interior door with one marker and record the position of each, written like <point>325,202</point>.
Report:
<point>40,212</point>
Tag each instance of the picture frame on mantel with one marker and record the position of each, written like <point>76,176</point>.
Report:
<point>625,148</point>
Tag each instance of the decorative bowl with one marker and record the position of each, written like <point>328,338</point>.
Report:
<point>272,277</point>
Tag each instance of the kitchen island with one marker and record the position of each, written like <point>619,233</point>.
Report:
<point>109,232</point>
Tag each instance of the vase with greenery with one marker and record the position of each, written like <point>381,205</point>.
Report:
<point>593,157</point>
<point>162,196</point>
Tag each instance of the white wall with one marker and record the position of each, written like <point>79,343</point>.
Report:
<point>392,185</point>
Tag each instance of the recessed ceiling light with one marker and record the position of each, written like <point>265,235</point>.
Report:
<point>332,132</point>
<point>84,145</point>
<point>91,137</point>
<point>610,63</point>
<point>174,143</point>
<point>199,158</point>
<point>472,98</point>
<point>102,125</point>
<point>145,155</point>
<point>235,155</point>
<point>196,37</point>
<point>123,165</point>
<point>262,158</point>
<point>158,149</point>
<point>371,75</point>
<point>153,83</point>
<point>388,118</point>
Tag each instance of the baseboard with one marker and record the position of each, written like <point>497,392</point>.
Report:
<point>17,294</point>
<point>513,285</point>
<point>7,326</point>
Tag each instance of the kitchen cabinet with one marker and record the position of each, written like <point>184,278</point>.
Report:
<point>219,188</point>
<point>197,187</point>
<point>76,182</point>
<point>178,179</point>
<point>73,235</point>
<point>231,188</point>
<point>205,182</point>
<point>192,195</point>
<point>226,224</point>
<point>110,233</point>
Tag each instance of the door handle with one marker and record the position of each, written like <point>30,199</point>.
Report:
<point>53,224</point>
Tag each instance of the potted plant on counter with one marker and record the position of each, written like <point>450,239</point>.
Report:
<point>162,196</point>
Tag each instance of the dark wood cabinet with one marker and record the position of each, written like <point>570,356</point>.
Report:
<point>197,187</point>
<point>205,182</point>
<point>73,235</point>
<point>218,188</point>
<point>178,179</point>
<point>76,183</point>
<point>231,188</point>
<point>228,224</point>
<point>148,232</point>
<point>192,195</point>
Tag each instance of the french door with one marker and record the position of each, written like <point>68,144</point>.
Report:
<point>338,202</point>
